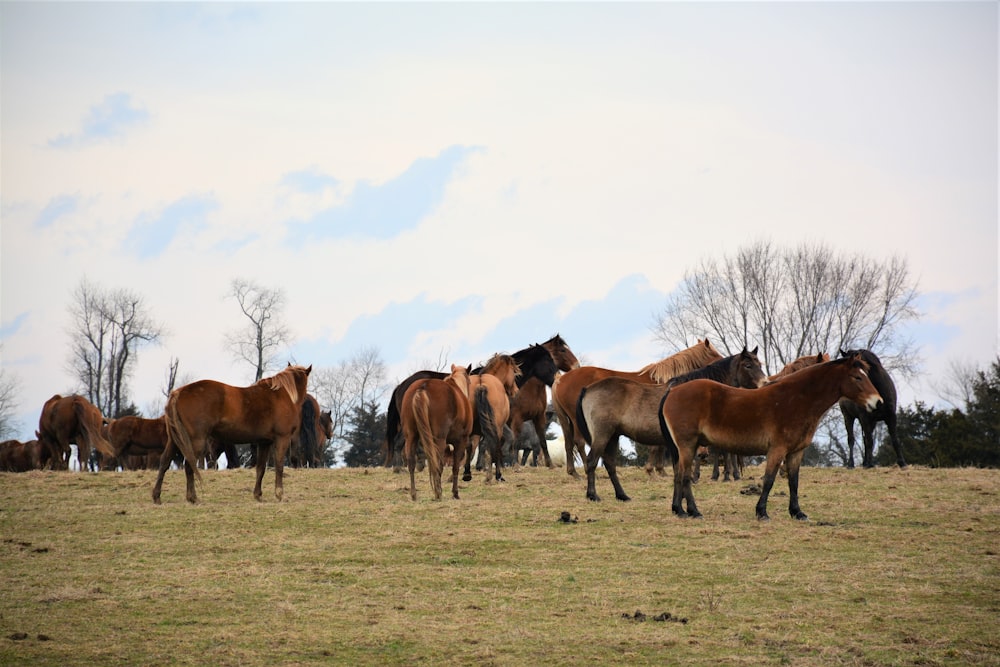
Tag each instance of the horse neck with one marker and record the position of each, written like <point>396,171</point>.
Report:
<point>811,391</point>
<point>463,386</point>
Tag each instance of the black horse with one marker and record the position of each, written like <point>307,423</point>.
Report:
<point>886,413</point>
<point>535,362</point>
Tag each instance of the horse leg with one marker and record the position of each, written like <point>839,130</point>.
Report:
<point>890,425</point>
<point>611,465</point>
<point>868,435</point>
<point>263,452</point>
<point>469,449</point>
<point>281,447</point>
<point>682,483</point>
<point>192,495</point>
<point>507,437</point>
<point>591,470</point>
<point>792,464</point>
<point>737,461</point>
<point>411,464</point>
<point>849,425</point>
<point>165,458</point>
<point>774,457</point>
<point>543,446</point>
<point>456,464</point>
<point>435,466</point>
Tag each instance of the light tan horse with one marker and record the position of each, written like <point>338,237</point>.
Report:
<point>491,391</point>
<point>797,365</point>
<point>567,388</point>
<point>435,414</point>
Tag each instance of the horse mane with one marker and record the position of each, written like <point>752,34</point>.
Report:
<point>800,363</point>
<point>285,380</point>
<point>499,361</point>
<point>717,370</point>
<point>700,354</point>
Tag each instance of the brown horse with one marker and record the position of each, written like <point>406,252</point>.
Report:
<point>538,371</point>
<point>777,420</point>
<point>136,436</point>
<point>537,362</point>
<point>437,413</point>
<point>314,432</point>
<point>886,413</point>
<point>491,392</point>
<point>266,414</point>
<point>567,388</point>
<point>614,407</point>
<point>69,420</point>
<point>17,456</point>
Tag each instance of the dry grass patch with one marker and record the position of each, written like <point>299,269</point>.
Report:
<point>896,567</point>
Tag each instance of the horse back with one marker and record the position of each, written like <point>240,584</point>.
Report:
<point>621,406</point>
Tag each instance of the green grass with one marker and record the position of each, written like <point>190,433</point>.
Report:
<point>896,567</point>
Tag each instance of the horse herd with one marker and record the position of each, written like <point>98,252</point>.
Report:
<point>679,407</point>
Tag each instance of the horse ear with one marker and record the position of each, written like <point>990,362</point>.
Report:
<point>755,350</point>
<point>819,358</point>
<point>309,370</point>
<point>707,344</point>
<point>842,353</point>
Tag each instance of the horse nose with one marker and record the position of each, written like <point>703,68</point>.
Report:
<point>874,403</point>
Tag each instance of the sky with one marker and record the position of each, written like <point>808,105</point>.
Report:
<point>457,179</point>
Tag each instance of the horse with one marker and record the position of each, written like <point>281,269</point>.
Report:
<point>137,436</point>
<point>537,362</point>
<point>567,388</point>
<point>17,456</point>
<point>531,403</point>
<point>614,406</point>
<point>777,420</point>
<point>886,413</point>
<point>266,413</point>
<point>491,392</point>
<point>316,424</point>
<point>65,420</point>
<point>437,413</point>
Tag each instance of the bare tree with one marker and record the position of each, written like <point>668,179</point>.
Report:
<point>108,328</point>
<point>358,381</point>
<point>794,302</point>
<point>265,334</point>
<point>10,386</point>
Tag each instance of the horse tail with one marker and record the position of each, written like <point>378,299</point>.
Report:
<point>391,430</point>
<point>671,449</point>
<point>581,418</point>
<point>484,410</point>
<point>177,434</point>
<point>91,423</point>
<point>422,416</point>
<point>307,433</point>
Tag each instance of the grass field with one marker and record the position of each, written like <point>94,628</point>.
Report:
<point>896,567</point>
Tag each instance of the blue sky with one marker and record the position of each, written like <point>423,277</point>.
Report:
<point>463,178</point>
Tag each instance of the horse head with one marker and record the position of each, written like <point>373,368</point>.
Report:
<point>858,386</point>
<point>561,354</point>
<point>749,372</point>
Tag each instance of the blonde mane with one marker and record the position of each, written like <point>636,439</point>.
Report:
<point>506,369</point>
<point>698,355</point>
<point>285,380</point>
<point>458,372</point>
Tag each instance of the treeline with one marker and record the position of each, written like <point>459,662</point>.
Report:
<point>967,436</point>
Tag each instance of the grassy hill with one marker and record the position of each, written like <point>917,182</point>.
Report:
<point>895,567</point>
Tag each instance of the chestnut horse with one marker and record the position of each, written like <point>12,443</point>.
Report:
<point>491,392</point>
<point>567,388</point>
<point>615,406</point>
<point>886,413</point>
<point>266,413</point>
<point>65,420</point>
<point>777,420</point>
<point>437,413</point>
<point>17,456</point>
<point>136,436</point>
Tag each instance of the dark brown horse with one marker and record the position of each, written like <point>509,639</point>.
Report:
<point>266,414</point>
<point>435,414</point>
<point>777,420</point>
<point>614,407</point>
<point>69,420</point>
<point>314,432</point>
<point>885,413</point>
<point>538,371</point>
<point>17,456</point>
<point>568,387</point>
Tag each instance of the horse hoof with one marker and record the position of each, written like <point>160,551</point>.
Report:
<point>466,478</point>
<point>801,516</point>
<point>623,499</point>
<point>593,497</point>
<point>763,517</point>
